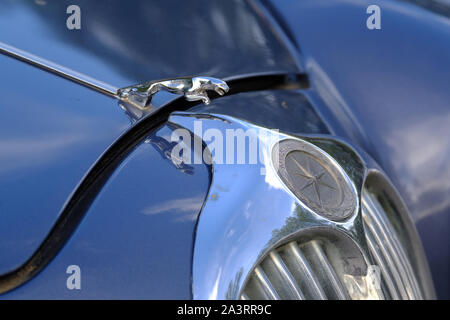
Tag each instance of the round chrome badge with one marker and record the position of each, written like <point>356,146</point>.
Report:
<point>315,179</point>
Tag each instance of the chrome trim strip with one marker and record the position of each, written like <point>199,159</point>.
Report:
<point>58,69</point>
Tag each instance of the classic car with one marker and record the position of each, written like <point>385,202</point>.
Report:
<point>244,149</point>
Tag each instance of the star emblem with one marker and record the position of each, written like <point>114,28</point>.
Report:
<point>316,180</point>
<point>313,180</point>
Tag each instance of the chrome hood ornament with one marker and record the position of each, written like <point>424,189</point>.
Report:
<point>193,89</point>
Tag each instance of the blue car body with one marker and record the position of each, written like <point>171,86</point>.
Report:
<point>66,149</point>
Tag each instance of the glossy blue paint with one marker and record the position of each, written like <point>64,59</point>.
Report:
<point>51,132</point>
<point>388,91</point>
<point>136,41</point>
<point>71,126</point>
<point>284,110</point>
<point>136,240</point>
<point>384,90</point>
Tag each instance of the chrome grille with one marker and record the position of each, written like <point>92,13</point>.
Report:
<point>387,251</point>
<point>295,271</point>
<point>305,270</point>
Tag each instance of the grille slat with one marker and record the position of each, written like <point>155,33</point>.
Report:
<point>382,264</point>
<point>330,275</point>
<point>399,254</point>
<point>310,280</point>
<point>390,248</point>
<point>244,297</point>
<point>382,248</point>
<point>321,266</point>
<point>267,288</point>
<point>287,278</point>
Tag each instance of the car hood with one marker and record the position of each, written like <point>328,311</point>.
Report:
<point>147,40</point>
<point>52,130</point>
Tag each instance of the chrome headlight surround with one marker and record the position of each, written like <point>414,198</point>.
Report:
<point>248,215</point>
